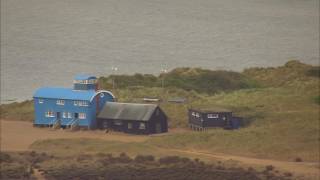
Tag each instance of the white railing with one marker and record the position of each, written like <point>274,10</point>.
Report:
<point>74,124</point>
<point>70,122</point>
<point>52,122</point>
<point>56,124</point>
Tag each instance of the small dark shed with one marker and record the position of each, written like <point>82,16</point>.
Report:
<point>202,119</point>
<point>133,118</point>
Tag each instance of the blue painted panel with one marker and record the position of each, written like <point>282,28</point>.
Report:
<point>84,86</point>
<point>51,104</point>
<point>106,97</point>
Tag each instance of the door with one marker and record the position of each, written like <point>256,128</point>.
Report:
<point>76,115</point>
<point>158,128</point>
<point>58,115</point>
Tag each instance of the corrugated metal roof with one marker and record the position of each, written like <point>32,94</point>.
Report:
<point>210,109</point>
<point>64,93</point>
<point>127,111</point>
<point>84,77</point>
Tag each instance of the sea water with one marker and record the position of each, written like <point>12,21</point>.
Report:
<point>45,42</point>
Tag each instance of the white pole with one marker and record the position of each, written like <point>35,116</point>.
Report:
<point>162,80</point>
<point>114,71</point>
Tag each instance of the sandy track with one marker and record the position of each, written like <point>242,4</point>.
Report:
<point>308,169</point>
<point>19,135</point>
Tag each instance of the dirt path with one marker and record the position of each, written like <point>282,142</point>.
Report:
<point>308,169</point>
<point>38,175</point>
<point>19,135</point>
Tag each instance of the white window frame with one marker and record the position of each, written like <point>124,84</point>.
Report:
<point>130,125</point>
<point>213,116</point>
<point>49,113</point>
<point>60,102</point>
<point>142,125</point>
<point>117,122</point>
<point>69,115</point>
<point>64,114</point>
<point>40,101</point>
<point>81,103</point>
<point>82,115</point>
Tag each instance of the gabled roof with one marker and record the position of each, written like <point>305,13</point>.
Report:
<point>64,93</point>
<point>127,111</point>
<point>84,77</point>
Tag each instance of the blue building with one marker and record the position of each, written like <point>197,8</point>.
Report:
<point>71,107</point>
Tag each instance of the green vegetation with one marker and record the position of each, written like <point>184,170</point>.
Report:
<point>106,166</point>
<point>23,111</point>
<point>281,111</point>
<point>196,79</point>
<point>317,100</point>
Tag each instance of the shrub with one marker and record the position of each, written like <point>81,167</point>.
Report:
<point>142,158</point>
<point>84,157</point>
<point>287,174</point>
<point>298,159</point>
<point>314,71</point>
<point>33,154</point>
<point>317,100</point>
<point>269,168</point>
<point>4,157</point>
<point>171,160</point>
<point>197,79</point>
<point>124,158</point>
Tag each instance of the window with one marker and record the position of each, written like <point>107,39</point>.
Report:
<point>60,102</point>
<point>105,125</point>
<point>117,122</point>
<point>213,116</point>
<point>82,115</point>
<point>90,81</point>
<point>129,125</point>
<point>142,126</point>
<point>195,114</point>
<point>41,101</point>
<point>102,95</point>
<point>49,114</point>
<point>81,103</point>
<point>64,115</point>
<point>69,115</point>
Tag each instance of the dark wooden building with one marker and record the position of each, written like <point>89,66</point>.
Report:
<point>202,119</point>
<point>133,118</point>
